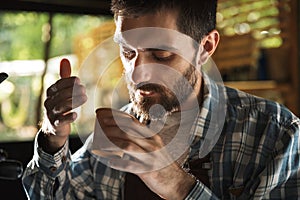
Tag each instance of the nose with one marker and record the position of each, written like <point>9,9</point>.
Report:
<point>141,70</point>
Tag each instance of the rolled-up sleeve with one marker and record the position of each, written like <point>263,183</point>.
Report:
<point>44,172</point>
<point>200,191</point>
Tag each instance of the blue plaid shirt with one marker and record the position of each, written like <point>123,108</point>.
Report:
<point>255,157</point>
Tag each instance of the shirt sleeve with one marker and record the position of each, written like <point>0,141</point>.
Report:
<point>281,176</point>
<point>44,172</point>
<point>200,191</point>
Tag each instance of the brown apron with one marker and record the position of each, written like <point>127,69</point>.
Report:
<point>135,189</point>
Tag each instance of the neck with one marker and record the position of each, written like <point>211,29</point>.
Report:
<point>196,97</point>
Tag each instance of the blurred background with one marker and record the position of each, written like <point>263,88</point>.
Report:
<point>258,53</point>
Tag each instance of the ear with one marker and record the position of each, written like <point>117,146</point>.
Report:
<point>208,45</point>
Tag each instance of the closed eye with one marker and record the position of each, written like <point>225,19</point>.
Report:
<point>162,55</point>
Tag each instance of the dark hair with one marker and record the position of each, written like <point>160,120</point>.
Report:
<point>196,18</point>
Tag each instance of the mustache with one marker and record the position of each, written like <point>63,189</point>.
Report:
<point>150,87</point>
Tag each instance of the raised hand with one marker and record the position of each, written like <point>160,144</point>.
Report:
<point>62,97</point>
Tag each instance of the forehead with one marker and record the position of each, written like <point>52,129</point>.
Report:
<point>157,31</point>
<point>163,19</point>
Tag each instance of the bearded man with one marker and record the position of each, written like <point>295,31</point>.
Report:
<point>167,143</point>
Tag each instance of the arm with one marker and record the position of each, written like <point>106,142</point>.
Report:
<point>40,178</point>
<point>200,191</point>
<point>281,176</point>
<point>158,171</point>
<point>62,97</point>
<point>277,173</point>
<point>49,167</point>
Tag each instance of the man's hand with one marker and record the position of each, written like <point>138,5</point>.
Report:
<point>139,143</point>
<point>62,97</point>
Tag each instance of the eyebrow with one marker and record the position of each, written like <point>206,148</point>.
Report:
<point>119,40</point>
<point>162,48</point>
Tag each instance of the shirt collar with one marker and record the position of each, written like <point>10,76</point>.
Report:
<point>209,122</point>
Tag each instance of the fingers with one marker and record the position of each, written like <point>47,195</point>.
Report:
<point>127,142</point>
<point>129,165</point>
<point>57,111</point>
<point>65,119</point>
<point>73,94</point>
<point>126,132</point>
<point>64,96</point>
<point>111,117</point>
<point>62,84</point>
<point>140,162</point>
<point>120,132</point>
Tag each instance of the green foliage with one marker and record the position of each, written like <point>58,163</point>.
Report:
<point>259,18</point>
<point>20,36</point>
<point>23,34</point>
<point>66,27</point>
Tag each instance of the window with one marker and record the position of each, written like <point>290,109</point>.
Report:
<point>266,20</point>
<point>258,51</point>
<point>28,39</point>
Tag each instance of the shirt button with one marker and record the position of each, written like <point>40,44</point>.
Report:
<point>64,159</point>
<point>53,169</point>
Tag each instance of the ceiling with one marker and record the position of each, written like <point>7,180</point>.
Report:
<point>65,6</point>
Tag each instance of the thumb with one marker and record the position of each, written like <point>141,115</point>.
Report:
<point>65,68</point>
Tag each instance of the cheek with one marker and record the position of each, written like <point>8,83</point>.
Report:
<point>179,64</point>
<point>182,65</point>
<point>176,71</point>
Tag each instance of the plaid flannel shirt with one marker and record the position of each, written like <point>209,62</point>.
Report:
<point>255,157</point>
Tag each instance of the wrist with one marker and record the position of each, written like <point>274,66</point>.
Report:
<point>51,143</point>
<point>186,186</point>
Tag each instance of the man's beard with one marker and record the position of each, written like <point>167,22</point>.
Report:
<point>169,100</point>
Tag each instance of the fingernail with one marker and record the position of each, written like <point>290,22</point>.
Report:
<point>55,110</point>
<point>56,122</point>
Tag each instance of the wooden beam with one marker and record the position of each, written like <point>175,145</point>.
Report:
<point>295,55</point>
